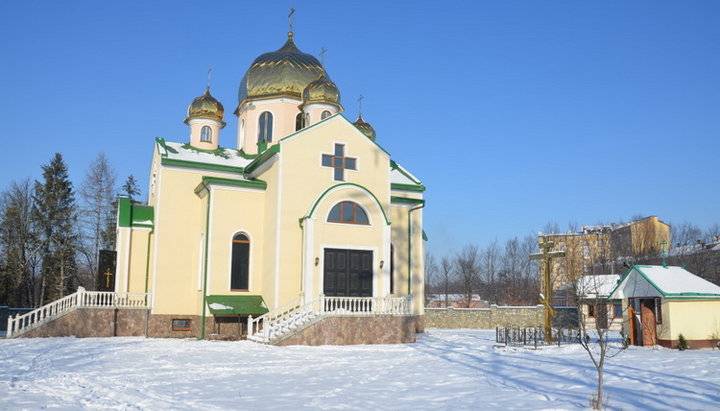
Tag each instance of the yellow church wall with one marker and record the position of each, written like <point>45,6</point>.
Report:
<point>178,241</point>
<point>399,216</point>
<point>138,260</point>
<point>695,319</point>
<point>301,190</point>
<point>269,242</point>
<point>349,236</point>
<point>235,210</point>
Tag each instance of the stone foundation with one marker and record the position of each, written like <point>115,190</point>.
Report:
<point>94,322</point>
<point>484,318</point>
<point>371,329</point>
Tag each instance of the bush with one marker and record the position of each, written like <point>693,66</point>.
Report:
<point>682,343</point>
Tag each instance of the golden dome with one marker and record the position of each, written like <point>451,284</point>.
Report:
<point>322,90</point>
<point>285,72</point>
<point>365,127</point>
<point>205,106</point>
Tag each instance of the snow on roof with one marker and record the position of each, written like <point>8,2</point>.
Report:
<point>597,286</point>
<point>222,156</point>
<point>400,175</point>
<point>668,281</point>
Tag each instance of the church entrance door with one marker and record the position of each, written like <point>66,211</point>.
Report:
<point>347,273</point>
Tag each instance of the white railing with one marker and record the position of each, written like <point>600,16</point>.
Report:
<point>79,299</point>
<point>277,323</point>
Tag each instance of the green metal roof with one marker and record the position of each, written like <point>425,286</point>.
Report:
<point>134,215</point>
<point>221,305</point>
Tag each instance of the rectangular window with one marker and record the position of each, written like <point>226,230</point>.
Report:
<point>350,163</point>
<point>591,310</point>
<point>658,311</point>
<point>181,325</point>
<point>339,174</point>
<point>339,150</point>
<point>617,310</point>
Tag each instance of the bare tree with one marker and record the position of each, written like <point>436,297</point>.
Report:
<point>594,324</point>
<point>19,244</point>
<point>446,273</point>
<point>431,268</point>
<point>467,263</point>
<point>97,194</point>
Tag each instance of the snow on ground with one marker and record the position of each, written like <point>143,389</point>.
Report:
<point>458,369</point>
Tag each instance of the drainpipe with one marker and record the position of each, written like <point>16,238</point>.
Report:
<point>410,245</point>
<point>147,262</point>
<point>205,263</point>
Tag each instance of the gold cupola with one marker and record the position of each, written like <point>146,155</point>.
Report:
<point>365,127</point>
<point>206,107</point>
<point>284,72</point>
<point>322,90</point>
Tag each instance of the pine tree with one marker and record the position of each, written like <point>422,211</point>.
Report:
<point>97,194</point>
<point>55,215</point>
<point>130,188</point>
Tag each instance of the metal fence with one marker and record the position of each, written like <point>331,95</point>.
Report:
<point>535,336</point>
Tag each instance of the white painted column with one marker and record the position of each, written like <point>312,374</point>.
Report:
<point>385,273</point>
<point>309,260</point>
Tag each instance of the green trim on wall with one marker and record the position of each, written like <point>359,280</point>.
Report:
<point>124,212</point>
<point>263,157</point>
<point>200,166</point>
<point>246,156</point>
<point>134,215</point>
<point>405,200</point>
<point>220,151</point>
<point>418,188</point>
<point>256,184</point>
<point>317,201</point>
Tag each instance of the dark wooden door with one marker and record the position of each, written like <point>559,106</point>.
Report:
<point>347,273</point>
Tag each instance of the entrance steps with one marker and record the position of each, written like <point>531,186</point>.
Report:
<point>21,324</point>
<point>278,325</point>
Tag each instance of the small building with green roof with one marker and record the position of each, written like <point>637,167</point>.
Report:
<point>663,302</point>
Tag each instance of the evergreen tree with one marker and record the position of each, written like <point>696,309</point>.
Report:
<point>97,195</point>
<point>130,188</point>
<point>55,215</point>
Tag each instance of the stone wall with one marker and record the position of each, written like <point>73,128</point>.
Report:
<point>94,322</point>
<point>374,329</point>
<point>484,318</point>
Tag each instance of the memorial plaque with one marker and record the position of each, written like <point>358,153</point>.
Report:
<point>106,270</point>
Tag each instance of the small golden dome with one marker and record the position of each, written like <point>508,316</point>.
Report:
<point>285,72</point>
<point>365,127</point>
<point>322,90</point>
<point>205,106</point>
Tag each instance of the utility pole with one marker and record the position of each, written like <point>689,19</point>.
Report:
<point>547,255</point>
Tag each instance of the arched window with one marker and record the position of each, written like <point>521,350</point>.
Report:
<point>348,212</point>
<point>206,134</point>
<point>299,122</point>
<point>265,127</point>
<point>239,271</point>
<point>325,114</point>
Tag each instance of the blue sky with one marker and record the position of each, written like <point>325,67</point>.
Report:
<point>513,113</point>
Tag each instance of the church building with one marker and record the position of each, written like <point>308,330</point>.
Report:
<point>298,217</point>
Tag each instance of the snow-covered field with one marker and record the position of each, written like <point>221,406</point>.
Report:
<point>446,369</point>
